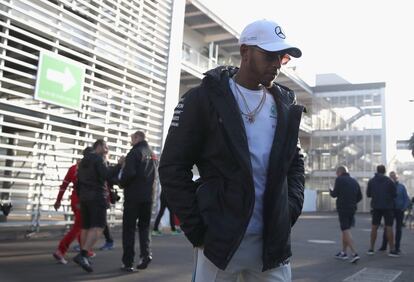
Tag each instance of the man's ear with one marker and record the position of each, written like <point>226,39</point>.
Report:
<point>244,52</point>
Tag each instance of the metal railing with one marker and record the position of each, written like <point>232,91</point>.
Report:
<point>197,60</point>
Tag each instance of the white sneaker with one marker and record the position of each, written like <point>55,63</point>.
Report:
<point>59,257</point>
<point>354,258</point>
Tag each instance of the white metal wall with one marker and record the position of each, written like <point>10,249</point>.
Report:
<point>124,45</point>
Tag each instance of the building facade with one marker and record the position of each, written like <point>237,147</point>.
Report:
<point>123,47</point>
<point>348,129</point>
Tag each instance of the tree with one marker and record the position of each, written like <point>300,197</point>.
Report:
<point>411,144</point>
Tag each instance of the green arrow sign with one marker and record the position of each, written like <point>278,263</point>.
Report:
<point>59,80</point>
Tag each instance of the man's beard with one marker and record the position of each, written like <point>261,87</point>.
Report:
<point>269,84</point>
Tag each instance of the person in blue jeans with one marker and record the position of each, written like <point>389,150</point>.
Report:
<point>401,203</point>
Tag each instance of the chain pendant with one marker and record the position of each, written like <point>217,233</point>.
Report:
<point>250,115</point>
<point>250,118</point>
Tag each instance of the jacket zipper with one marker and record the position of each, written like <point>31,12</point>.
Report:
<point>235,246</point>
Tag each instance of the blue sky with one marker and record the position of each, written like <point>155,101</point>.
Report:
<point>362,41</point>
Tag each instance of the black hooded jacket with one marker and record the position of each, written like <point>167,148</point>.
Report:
<point>347,193</point>
<point>138,174</point>
<point>207,130</point>
<point>92,174</point>
<point>382,191</point>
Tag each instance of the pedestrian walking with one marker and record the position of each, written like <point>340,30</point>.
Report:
<point>348,194</point>
<point>163,206</point>
<point>382,191</point>
<point>137,179</point>
<point>75,230</point>
<point>92,176</point>
<point>240,129</point>
<point>401,203</point>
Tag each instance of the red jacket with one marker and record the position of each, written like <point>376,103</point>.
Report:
<point>71,177</point>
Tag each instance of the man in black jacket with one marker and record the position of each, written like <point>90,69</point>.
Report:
<point>382,191</point>
<point>137,179</point>
<point>241,131</point>
<point>347,193</point>
<point>92,175</point>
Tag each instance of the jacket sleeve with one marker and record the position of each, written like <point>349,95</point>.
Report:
<point>296,185</point>
<point>359,193</point>
<point>112,177</point>
<point>70,177</point>
<point>101,169</point>
<point>393,189</point>
<point>405,196</point>
<point>334,192</point>
<point>181,151</point>
<point>129,172</point>
<point>369,188</point>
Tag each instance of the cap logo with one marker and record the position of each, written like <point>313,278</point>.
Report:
<point>279,32</point>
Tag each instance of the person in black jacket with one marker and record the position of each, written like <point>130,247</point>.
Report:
<point>137,179</point>
<point>382,190</point>
<point>92,176</point>
<point>240,129</point>
<point>347,193</point>
<point>401,203</point>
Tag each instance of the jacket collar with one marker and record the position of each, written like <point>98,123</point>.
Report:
<point>228,111</point>
<point>141,143</point>
<point>229,115</point>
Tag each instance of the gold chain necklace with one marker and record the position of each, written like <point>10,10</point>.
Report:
<point>250,115</point>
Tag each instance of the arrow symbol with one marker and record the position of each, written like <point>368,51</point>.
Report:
<point>65,78</point>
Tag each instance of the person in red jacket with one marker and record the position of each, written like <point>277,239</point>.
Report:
<point>74,232</point>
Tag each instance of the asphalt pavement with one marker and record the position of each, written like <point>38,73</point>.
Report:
<point>315,240</point>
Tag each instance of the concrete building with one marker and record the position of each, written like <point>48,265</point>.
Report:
<point>348,129</point>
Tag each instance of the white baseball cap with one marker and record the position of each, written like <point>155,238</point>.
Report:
<point>269,36</point>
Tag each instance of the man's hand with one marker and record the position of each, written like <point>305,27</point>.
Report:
<point>121,161</point>
<point>56,205</point>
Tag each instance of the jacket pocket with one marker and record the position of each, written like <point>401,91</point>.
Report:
<point>207,198</point>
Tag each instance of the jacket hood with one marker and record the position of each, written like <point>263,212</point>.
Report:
<point>380,177</point>
<point>141,143</point>
<point>221,74</point>
<point>88,159</point>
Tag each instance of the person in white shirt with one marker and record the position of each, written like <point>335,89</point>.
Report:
<point>240,129</point>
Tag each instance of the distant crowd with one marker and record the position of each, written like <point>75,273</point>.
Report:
<point>389,201</point>
<point>93,192</point>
